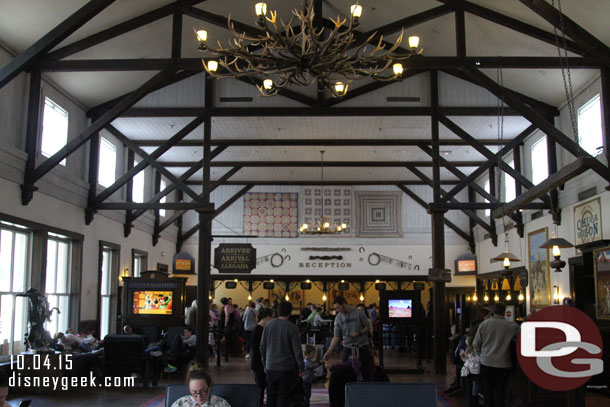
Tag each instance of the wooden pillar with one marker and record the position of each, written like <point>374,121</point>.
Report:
<point>94,158</point>
<point>205,240</point>
<point>31,137</point>
<point>605,104</point>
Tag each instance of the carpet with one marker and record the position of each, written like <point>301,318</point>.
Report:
<point>319,398</point>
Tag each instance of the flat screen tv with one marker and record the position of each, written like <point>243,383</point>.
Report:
<point>400,307</point>
<point>150,302</point>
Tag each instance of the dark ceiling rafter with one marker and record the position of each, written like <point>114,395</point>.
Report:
<point>418,62</point>
<point>288,93</point>
<point>327,164</point>
<point>317,182</point>
<point>62,31</point>
<point>423,204</point>
<point>513,24</point>
<point>143,164</point>
<point>87,133</point>
<point>118,29</point>
<point>367,142</point>
<point>587,41</point>
<point>151,161</point>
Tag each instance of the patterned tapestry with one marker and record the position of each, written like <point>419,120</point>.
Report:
<point>378,214</point>
<point>337,205</point>
<point>270,214</point>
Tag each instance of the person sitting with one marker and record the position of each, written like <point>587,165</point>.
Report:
<point>200,388</point>
<point>154,350</point>
<point>72,342</point>
<point>183,347</point>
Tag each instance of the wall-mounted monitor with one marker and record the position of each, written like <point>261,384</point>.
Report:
<point>400,307</point>
<point>151,302</point>
<point>465,265</point>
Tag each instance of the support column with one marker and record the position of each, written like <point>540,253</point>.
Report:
<point>204,280</point>
<point>94,158</point>
<point>439,311</point>
<point>31,138</point>
<point>518,188</point>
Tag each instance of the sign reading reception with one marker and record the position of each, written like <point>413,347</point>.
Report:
<point>588,222</point>
<point>234,258</point>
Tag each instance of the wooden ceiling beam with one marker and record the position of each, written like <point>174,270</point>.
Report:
<point>315,164</point>
<point>407,22</point>
<point>51,39</point>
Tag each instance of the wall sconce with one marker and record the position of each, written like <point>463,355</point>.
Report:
<point>124,273</point>
<point>556,294</point>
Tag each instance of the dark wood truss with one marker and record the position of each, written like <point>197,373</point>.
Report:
<point>591,54</point>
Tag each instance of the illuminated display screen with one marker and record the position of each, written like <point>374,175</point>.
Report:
<point>152,302</point>
<point>400,308</point>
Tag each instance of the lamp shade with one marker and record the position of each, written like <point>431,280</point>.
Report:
<point>504,255</point>
<point>556,241</point>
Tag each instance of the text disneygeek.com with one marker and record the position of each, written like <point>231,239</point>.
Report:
<point>17,379</point>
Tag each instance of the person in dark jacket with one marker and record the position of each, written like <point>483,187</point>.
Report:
<point>263,316</point>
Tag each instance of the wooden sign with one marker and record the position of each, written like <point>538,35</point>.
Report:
<point>343,286</point>
<point>380,286</point>
<point>588,222</point>
<point>268,286</point>
<point>230,285</point>
<point>234,258</point>
<point>305,286</point>
<point>419,286</point>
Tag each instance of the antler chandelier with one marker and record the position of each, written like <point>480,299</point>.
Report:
<point>322,225</point>
<point>305,53</point>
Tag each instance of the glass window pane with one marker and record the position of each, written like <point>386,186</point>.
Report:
<point>487,187</point>
<point>590,127</point>
<point>138,186</point>
<point>50,286</point>
<point>106,264</point>
<point>6,259</point>
<point>51,326</point>
<point>509,185</point>
<point>21,309</point>
<point>63,318</point>
<point>137,266</point>
<point>164,199</point>
<point>104,317</point>
<point>63,267</point>
<point>6,317</point>
<point>540,170</point>
<point>54,129</point>
<point>107,163</point>
<point>20,262</point>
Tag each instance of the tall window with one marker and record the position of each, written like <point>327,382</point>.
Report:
<point>106,169</point>
<point>137,194</point>
<point>57,286</point>
<point>164,199</point>
<point>54,129</point>
<point>509,185</point>
<point>540,168</point>
<point>105,292</point>
<point>486,187</point>
<point>139,261</point>
<point>590,127</point>
<point>14,255</point>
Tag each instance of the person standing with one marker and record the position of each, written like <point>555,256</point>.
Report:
<point>283,360</point>
<point>256,361</point>
<point>492,342</point>
<point>249,318</point>
<point>351,327</point>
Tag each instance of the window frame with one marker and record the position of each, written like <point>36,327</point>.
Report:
<point>586,106</point>
<point>104,140</point>
<point>507,178</point>
<point>141,174</point>
<point>59,323</point>
<point>162,186</point>
<point>143,256</point>
<point>541,141</point>
<point>115,253</point>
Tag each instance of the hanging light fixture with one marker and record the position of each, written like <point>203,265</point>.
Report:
<point>521,297</point>
<point>324,298</point>
<point>509,297</point>
<point>322,226</point>
<point>556,244</point>
<point>496,297</point>
<point>474,297</point>
<point>361,297</point>
<point>486,298</point>
<point>308,53</point>
<point>505,257</point>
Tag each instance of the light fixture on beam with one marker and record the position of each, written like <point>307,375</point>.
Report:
<point>556,244</point>
<point>307,53</point>
<point>505,257</point>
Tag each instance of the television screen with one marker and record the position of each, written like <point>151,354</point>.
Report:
<point>400,308</point>
<point>152,302</point>
<point>465,266</point>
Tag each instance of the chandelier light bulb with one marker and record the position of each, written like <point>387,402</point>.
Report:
<point>340,88</point>
<point>413,41</point>
<point>556,251</point>
<point>260,8</point>
<point>397,68</point>
<point>202,35</point>
<point>343,226</point>
<point>356,10</point>
<point>267,84</point>
<point>212,66</point>
<point>326,225</point>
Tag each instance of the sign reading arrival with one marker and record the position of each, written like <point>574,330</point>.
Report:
<point>588,222</point>
<point>234,258</point>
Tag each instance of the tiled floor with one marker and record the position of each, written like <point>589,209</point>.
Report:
<point>237,370</point>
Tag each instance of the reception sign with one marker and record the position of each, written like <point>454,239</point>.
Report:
<point>234,258</point>
<point>588,222</point>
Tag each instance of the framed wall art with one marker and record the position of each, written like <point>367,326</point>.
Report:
<point>601,260</point>
<point>588,222</point>
<point>538,258</point>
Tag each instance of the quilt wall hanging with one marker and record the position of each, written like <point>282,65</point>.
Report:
<point>378,214</point>
<point>271,214</point>
<point>337,205</point>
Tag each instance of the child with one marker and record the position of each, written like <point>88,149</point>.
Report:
<point>310,365</point>
<point>471,369</point>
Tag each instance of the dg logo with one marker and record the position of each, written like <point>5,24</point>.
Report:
<point>559,348</point>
